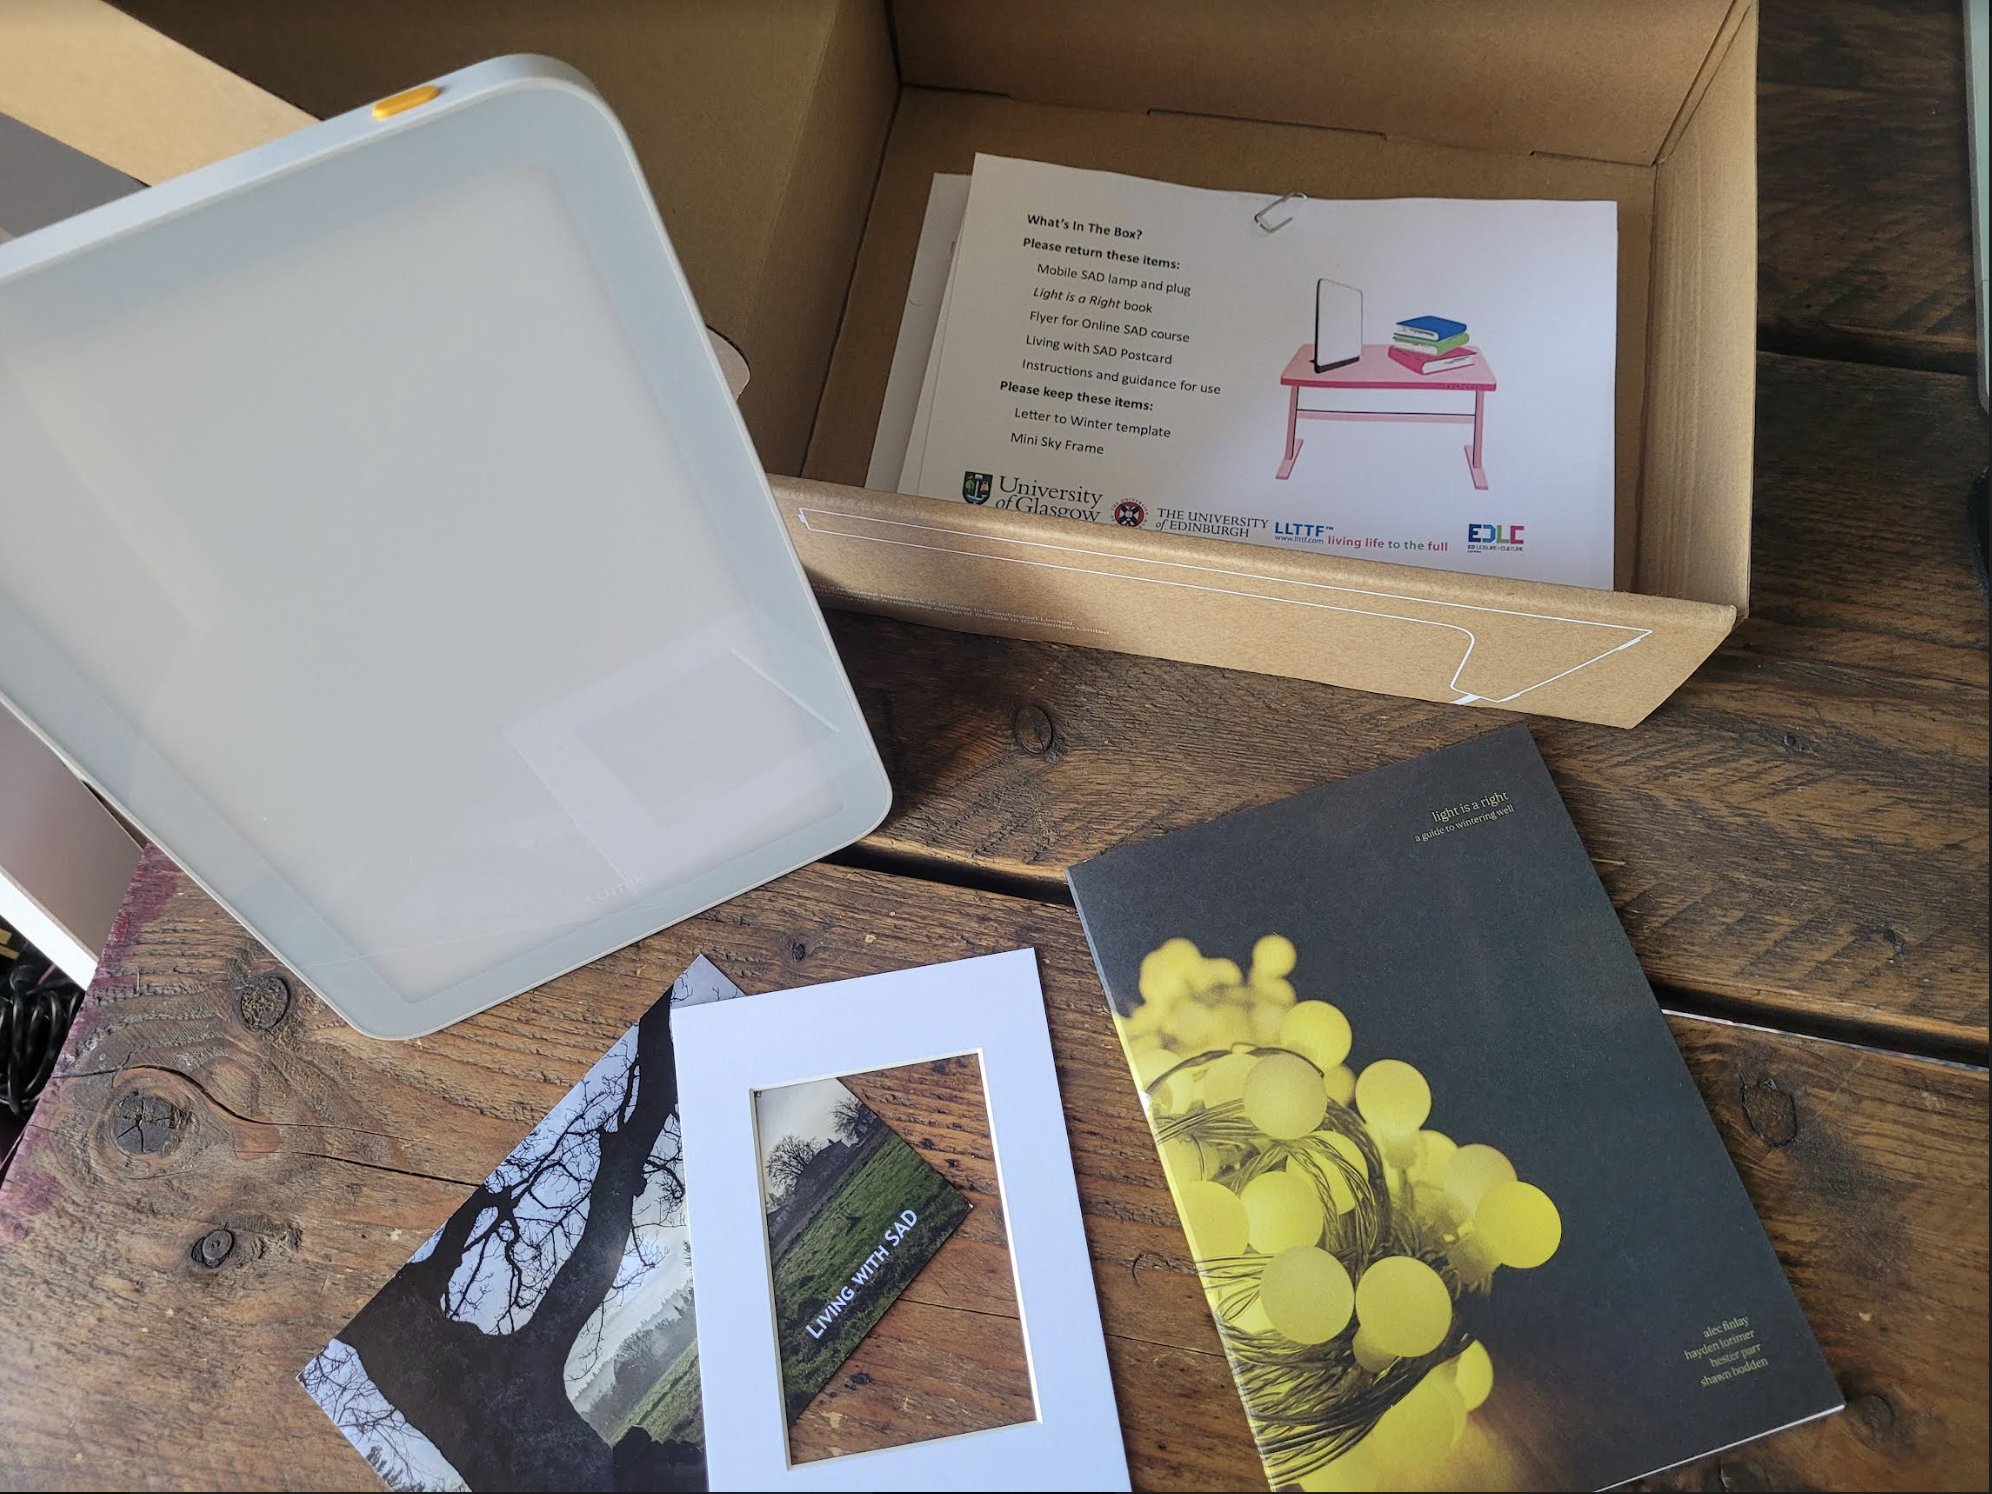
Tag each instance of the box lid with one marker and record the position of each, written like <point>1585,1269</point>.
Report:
<point>392,552</point>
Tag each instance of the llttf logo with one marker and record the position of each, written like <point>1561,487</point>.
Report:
<point>1495,534</point>
<point>1130,513</point>
<point>975,487</point>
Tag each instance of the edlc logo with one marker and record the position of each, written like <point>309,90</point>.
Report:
<point>1494,534</point>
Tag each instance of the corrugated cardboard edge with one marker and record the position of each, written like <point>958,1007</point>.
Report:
<point>824,203</point>
<point>1702,360</point>
<point>60,60</point>
<point>1602,656</point>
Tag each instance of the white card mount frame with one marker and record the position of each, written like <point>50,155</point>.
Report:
<point>993,1008</point>
<point>383,541</point>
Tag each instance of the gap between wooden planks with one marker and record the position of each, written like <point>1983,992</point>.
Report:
<point>329,1157</point>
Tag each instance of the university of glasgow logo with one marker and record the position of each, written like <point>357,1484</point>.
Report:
<point>1130,513</point>
<point>975,487</point>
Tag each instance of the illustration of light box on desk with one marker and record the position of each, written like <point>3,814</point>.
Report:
<point>1338,325</point>
<point>389,549</point>
<point>1338,359</point>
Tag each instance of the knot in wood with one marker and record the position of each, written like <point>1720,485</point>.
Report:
<point>214,1247</point>
<point>1034,732</point>
<point>1771,1111</point>
<point>1146,1258</point>
<point>147,1125</point>
<point>263,1001</point>
<point>1873,1417</point>
<point>1889,935</point>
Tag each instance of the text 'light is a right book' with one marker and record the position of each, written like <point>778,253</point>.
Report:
<point>1458,1208</point>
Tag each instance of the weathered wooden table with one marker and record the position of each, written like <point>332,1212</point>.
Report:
<point>1797,844</point>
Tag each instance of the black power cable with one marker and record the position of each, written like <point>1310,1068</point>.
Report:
<point>37,1004</point>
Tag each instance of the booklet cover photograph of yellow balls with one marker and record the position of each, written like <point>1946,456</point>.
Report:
<point>1461,1216</point>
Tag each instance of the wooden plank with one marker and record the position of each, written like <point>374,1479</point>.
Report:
<point>1883,46</point>
<point>1864,205</point>
<point>329,1156</point>
<point>1859,551</point>
<point>1801,832</point>
<point>1784,840</point>
<point>1878,269</point>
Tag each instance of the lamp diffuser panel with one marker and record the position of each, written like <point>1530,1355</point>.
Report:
<point>380,536</point>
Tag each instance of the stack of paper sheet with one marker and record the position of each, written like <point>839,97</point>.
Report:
<point>1104,348</point>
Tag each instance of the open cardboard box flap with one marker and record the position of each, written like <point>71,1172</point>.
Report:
<point>1596,80</point>
<point>790,143</point>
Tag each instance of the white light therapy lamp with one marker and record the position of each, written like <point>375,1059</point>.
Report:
<point>377,532</point>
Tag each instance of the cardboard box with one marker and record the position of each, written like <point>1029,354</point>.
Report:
<point>790,144</point>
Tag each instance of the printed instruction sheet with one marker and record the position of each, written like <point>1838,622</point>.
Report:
<point>1423,381</point>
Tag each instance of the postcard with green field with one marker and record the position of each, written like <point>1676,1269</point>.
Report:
<point>853,1213</point>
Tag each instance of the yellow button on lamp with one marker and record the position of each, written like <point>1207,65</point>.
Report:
<point>408,98</point>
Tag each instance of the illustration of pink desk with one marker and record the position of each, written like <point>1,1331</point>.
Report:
<point>1376,369</point>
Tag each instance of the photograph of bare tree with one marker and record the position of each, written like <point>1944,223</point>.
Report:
<point>544,1338</point>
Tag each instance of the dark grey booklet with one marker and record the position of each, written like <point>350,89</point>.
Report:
<point>1460,1213</point>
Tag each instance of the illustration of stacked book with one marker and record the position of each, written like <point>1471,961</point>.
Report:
<point>1431,345</point>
